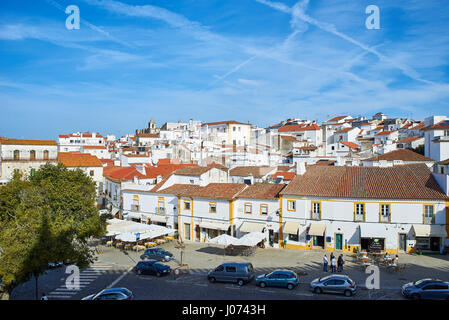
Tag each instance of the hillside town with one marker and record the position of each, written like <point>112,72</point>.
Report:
<point>344,184</point>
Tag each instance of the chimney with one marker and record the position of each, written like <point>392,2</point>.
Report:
<point>158,179</point>
<point>136,180</point>
<point>300,167</point>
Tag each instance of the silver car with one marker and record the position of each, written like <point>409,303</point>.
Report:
<point>240,273</point>
<point>334,284</point>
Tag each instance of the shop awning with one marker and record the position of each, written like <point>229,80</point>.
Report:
<point>291,227</point>
<point>157,218</point>
<point>252,226</point>
<point>317,229</point>
<point>373,230</point>
<point>427,230</point>
<point>215,225</point>
<point>134,215</point>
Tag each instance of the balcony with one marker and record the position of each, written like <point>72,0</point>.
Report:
<point>384,218</point>
<point>428,220</point>
<point>135,208</point>
<point>159,210</point>
<point>315,215</point>
<point>359,216</point>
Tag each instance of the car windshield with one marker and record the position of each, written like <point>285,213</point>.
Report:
<point>324,278</point>
<point>250,267</point>
<point>158,264</point>
<point>420,283</point>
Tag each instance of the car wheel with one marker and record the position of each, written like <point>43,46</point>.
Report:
<point>158,274</point>
<point>240,282</point>
<point>416,296</point>
<point>290,286</point>
<point>318,290</point>
<point>167,259</point>
<point>212,279</point>
<point>348,293</point>
<point>262,284</point>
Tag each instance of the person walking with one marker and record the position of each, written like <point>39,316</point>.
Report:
<point>325,263</point>
<point>333,264</point>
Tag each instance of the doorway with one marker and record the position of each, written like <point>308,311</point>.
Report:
<point>318,241</point>
<point>197,233</point>
<point>402,242</point>
<point>338,241</point>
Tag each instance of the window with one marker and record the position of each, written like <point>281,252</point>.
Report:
<point>160,205</point>
<point>293,237</point>
<point>248,208</point>
<point>291,205</point>
<point>233,128</point>
<point>91,173</point>
<point>192,181</point>
<point>187,231</point>
<point>16,155</point>
<point>33,155</point>
<point>428,214</point>
<point>446,133</point>
<point>212,207</point>
<point>316,210</point>
<point>384,212</point>
<point>264,209</point>
<point>231,269</point>
<point>46,154</point>
<point>186,205</point>
<point>135,205</point>
<point>359,212</point>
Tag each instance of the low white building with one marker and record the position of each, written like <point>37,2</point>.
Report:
<point>397,157</point>
<point>397,209</point>
<point>25,156</point>
<point>74,141</point>
<point>436,134</point>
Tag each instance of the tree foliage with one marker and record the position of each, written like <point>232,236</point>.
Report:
<point>45,218</point>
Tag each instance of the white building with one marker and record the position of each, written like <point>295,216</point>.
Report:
<point>227,132</point>
<point>25,156</point>
<point>436,134</point>
<point>74,141</point>
<point>400,208</point>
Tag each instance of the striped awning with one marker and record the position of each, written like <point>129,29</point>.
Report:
<point>317,229</point>
<point>252,226</point>
<point>291,227</point>
<point>428,230</point>
<point>215,225</point>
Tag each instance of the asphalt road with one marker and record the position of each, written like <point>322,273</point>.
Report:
<point>186,287</point>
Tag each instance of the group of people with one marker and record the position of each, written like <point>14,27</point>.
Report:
<point>336,264</point>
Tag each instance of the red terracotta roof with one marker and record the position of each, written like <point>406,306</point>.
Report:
<point>385,133</point>
<point>400,154</point>
<point>344,130</point>
<point>299,127</point>
<point>286,175</point>
<point>289,138</point>
<point>256,171</point>
<point>94,147</point>
<point>350,144</point>
<point>8,141</point>
<point>409,139</point>
<point>77,159</point>
<point>337,118</point>
<point>122,173</point>
<point>442,125</point>
<point>406,182</point>
<point>268,191</point>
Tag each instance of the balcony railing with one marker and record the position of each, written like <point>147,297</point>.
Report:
<point>359,216</point>
<point>428,220</point>
<point>134,208</point>
<point>384,218</point>
<point>315,215</point>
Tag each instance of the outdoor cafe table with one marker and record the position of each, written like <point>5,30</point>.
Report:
<point>138,247</point>
<point>150,244</point>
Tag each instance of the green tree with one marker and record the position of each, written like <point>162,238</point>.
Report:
<point>48,217</point>
<point>419,149</point>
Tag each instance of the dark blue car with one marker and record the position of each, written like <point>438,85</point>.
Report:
<point>278,278</point>
<point>152,267</point>
<point>431,289</point>
<point>157,254</point>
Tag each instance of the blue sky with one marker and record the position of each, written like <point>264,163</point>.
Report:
<point>249,60</point>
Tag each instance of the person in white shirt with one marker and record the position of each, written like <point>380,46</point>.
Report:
<point>325,263</point>
<point>333,264</point>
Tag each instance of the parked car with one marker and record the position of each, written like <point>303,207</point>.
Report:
<point>334,284</point>
<point>152,267</point>
<point>111,294</point>
<point>432,289</point>
<point>278,278</point>
<point>158,254</point>
<point>240,273</point>
<point>53,265</point>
